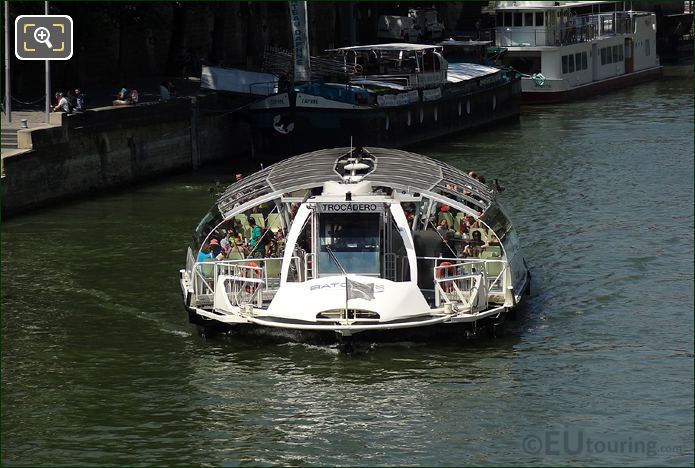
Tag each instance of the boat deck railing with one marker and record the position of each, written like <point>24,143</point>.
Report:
<point>463,283</point>
<point>256,280</point>
<point>494,271</point>
<point>584,28</point>
<point>252,280</point>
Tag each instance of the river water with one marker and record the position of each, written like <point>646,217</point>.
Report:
<point>100,366</point>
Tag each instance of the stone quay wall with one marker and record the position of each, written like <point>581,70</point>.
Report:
<point>110,147</point>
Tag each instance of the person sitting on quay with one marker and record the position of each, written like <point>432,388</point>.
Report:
<point>71,99</point>
<point>126,97</point>
<point>80,104</point>
<point>164,94</point>
<point>63,104</point>
<point>121,98</point>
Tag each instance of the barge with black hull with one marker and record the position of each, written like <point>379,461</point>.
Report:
<point>388,95</point>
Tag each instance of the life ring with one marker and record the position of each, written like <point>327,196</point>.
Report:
<point>447,286</point>
<point>249,273</point>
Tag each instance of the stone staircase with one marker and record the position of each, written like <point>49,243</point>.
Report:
<point>9,138</point>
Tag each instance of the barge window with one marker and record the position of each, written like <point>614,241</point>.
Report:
<point>609,55</point>
<point>615,53</point>
<point>584,64</point>
<point>517,19</point>
<point>571,63</point>
<point>500,19</point>
<point>620,53</point>
<point>353,239</point>
<point>539,18</point>
<point>646,47</point>
<point>528,19</point>
<point>578,60</point>
<point>603,55</point>
<point>507,19</point>
<point>564,64</point>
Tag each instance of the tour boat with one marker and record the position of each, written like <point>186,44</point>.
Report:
<point>569,50</point>
<point>358,249</point>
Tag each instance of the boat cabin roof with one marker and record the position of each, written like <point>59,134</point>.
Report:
<point>388,47</point>
<point>390,168</point>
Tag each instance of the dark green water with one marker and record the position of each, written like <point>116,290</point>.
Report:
<point>99,364</point>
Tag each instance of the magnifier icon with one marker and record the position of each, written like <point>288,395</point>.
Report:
<point>43,36</point>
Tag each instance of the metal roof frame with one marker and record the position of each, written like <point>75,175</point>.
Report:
<point>395,169</point>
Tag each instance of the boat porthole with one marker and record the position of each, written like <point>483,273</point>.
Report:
<point>408,118</point>
<point>435,114</point>
<point>468,107</point>
<point>494,102</point>
<point>387,124</point>
<point>422,115</point>
<point>459,108</point>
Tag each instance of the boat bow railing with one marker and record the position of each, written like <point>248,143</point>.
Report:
<point>247,281</point>
<point>462,284</point>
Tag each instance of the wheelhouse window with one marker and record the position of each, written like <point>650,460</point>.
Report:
<point>507,19</point>
<point>603,56</point>
<point>578,61</point>
<point>539,18</point>
<point>571,63</point>
<point>528,19</point>
<point>351,240</point>
<point>518,19</point>
<point>609,55</point>
<point>564,64</point>
<point>584,61</point>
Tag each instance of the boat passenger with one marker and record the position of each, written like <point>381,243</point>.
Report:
<point>238,248</point>
<point>469,251</point>
<point>447,235</point>
<point>216,249</point>
<point>294,207</point>
<point>475,245</point>
<point>205,254</point>
<point>226,243</point>
<point>255,241</point>
<point>278,244</point>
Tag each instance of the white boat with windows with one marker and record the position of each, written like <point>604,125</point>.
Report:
<point>362,253</point>
<point>573,49</point>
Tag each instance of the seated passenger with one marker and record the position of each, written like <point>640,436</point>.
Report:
<point>443,228</point>
<point>477,240</point>
<point>447,250</point>
<point>205,254</point>
<point>238,248</point>
<point>216,249</point>
<point>470,251</point>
